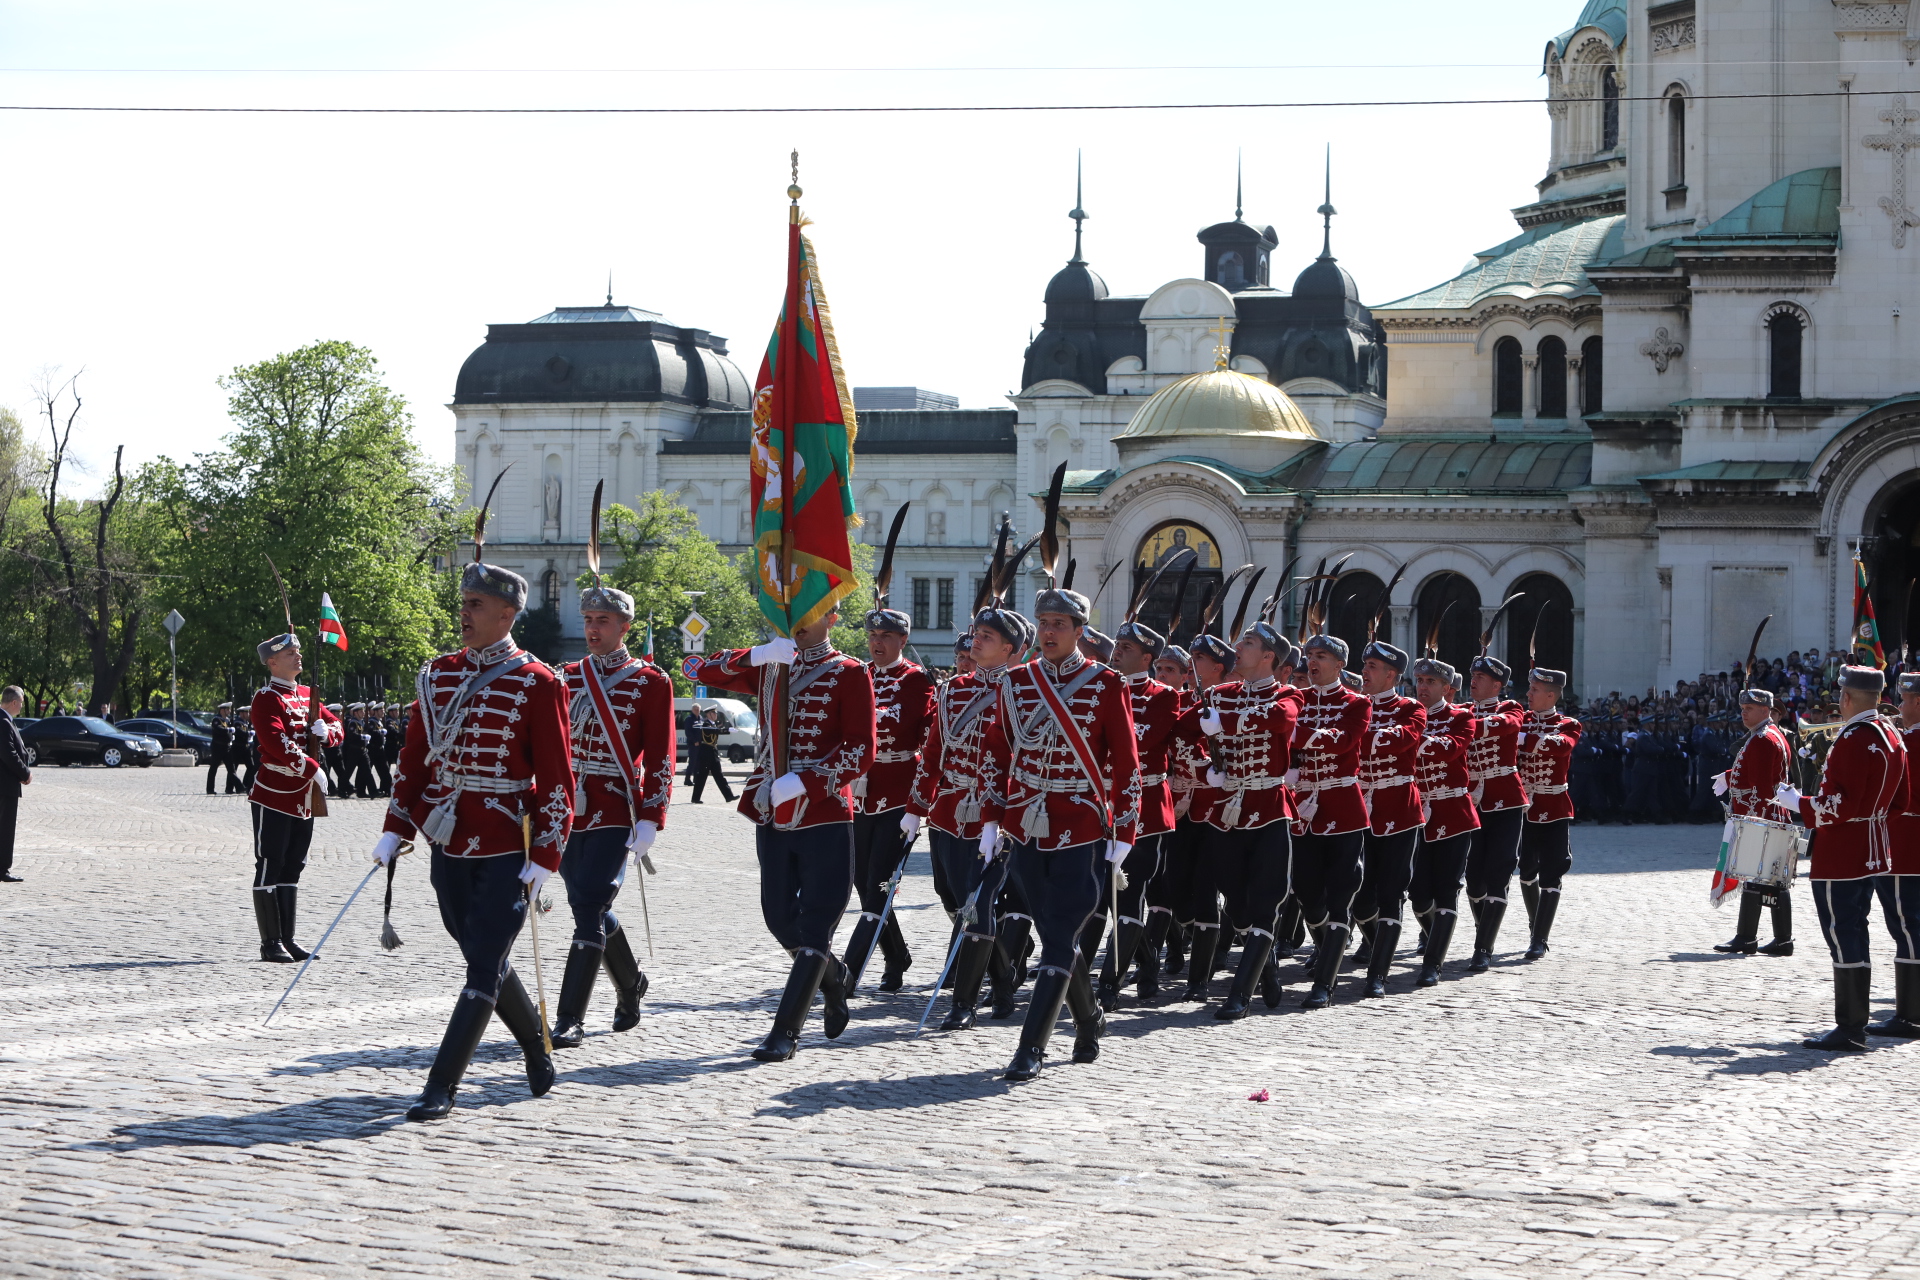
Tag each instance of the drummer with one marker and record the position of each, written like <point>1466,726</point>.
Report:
<point>1759,767</point>
<point>1864,777</point>
<point>1899,885</point>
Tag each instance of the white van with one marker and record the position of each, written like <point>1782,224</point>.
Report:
<point>736,717</point>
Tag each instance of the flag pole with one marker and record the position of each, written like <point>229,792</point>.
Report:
<point>785,369</point>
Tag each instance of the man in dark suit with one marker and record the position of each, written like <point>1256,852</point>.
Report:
<point>706,733</point>
<point>14,774</point>
<point>220,750</point>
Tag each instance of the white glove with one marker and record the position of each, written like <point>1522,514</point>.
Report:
<point>1291,777</point>
<point>641,838</point>
<point>1216,779</point>
<point>1720,784</point>
<point>910,826</point>
<point>989,839</point>
<point>788,787</point>
<point>534,876</point>
<point>1210,723</point>
<point>386,848</point>
<point>1786,797</point>
<point>1118,849</point>
<point>779,649</point>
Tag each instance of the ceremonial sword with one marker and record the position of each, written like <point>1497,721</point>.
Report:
<point>533,921</point>
<point>405,845</point>
<point>967,917</point>
<point>893,887</point>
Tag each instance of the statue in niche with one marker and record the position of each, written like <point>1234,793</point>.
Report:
<point>553,502</point>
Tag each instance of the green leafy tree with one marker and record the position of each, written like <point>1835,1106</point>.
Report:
<point>663,557</point>
<point>40,645</point>
<point>320,473</point>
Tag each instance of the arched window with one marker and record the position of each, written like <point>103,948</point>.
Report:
<point>1609,109</point>
<point>1232,273</point>
<point>1590,376</point>
<point>1784,336</point>
<point>550,588</point>
<point>1452,603</point>
<point>1544,619</point>
<point>1553,378</point>
<point>1506,378</point>
<point>1356,598</point>
<point>1676,149</point>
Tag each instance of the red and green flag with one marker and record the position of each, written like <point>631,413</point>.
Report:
<point>331,632</point>
<point>803,432</point>
<point>1866,628</point>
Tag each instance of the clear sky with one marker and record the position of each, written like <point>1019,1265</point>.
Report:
<point>158,251</point>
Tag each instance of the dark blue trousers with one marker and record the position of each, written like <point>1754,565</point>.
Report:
<point>969,879</point>
<point>806,878</point>
<point>1252,868</point>
<point>594,862</point>
<point>1062,889</point>
<point>1844,907</point>
<point>1387,872</point>
<point>280,843</point>
<point>1326,878</point>
<point>1438,866</point>
<point>1900,902</point>
<point>1495,853</point>
<point>1546,853</point>
<point>482,904</point>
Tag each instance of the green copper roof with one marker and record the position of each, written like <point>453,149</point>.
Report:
<point>1804,203</point>
<point>1740,470</point>
<point>1608,15</point>
<point>1526,266</point>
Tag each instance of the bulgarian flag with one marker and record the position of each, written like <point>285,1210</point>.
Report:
<point>803,432</point>
<point>331,632</point>
<point>1723,884</point>
<point>1866,628</point>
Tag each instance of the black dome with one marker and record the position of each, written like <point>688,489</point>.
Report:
<point>1325,278</point>
<point>598,354</point>
<point>1076,282</point>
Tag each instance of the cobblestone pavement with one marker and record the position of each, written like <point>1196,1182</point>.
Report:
<point>1631,1105</point>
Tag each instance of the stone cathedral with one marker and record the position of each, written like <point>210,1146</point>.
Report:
<point>1680,397</point>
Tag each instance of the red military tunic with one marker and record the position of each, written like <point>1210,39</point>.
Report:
<point>1327,741</point>
<point>1156,721</point>
<point>1759,767</point>
<point>1050,801</point>
<point>487,753</point>
<point>1546,742</point>
<point>963,769</point>
<point>1254,753</point>
<point>1446,793</point>
<point>285,716</point>
<point>1864,780</point>
<point>1187,758</point>
<point>902,710</point>
<point>1903,825</point>
<point>641,698</point>
<point>1387,776</point>
<point>1493,760</point>
<point>830,731</point>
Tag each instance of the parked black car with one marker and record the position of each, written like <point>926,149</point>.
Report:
<point>68,740</point>
<point>162,731</point>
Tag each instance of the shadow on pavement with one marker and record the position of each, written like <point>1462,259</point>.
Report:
<point>886,1095</point>
<point>129,964</point>
<point>1695,957</point>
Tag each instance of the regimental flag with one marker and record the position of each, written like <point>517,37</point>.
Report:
<point>803,432</point>
<point>1723,884</point>
<point>1866,629</point>
<point>331,632</point>
<point>646,643</point>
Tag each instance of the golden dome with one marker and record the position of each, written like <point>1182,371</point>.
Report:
<point>1219,402</point>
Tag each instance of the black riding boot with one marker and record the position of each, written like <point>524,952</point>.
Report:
<point>1530,894</point>
<point>1434,954</point>
<point>859,942</point>
<point>1386,940</point>
<point>1290,930</point>
<point>1089,1022</point>
<point>803,980</point>
<point>1253,966</point>
<point>1001,973</point>
<point>1043,1010</point>
<point>1016,936</point>
<point>1127,942</point>
<point>1543,923</point>
<point>517,1010</point>
<point>1200,963</point>
<point>1904,1023</point>
<point>1177,949</point>
<point>1746,932</point>
<point>464,1030</point>
<point>835,986</point>
<point>1147,958</point>
<point>1851,989</point>
<point>946,983</point>
<point>266,914</point>
<point>1326,966</point>
<point>1363,954</point>
<point>1485,934</point>
<point>893,946</point>
<point>287,899</point>
<point>1270,989</point>
<point>629,983</point>
<point>576,991</point>
<point>975,953</point>
<point>1782,944</point>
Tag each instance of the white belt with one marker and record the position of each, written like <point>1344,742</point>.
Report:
<point>1442,793</point>
<point>1259,782</point>
<point>1398,780</point>
<point>280,768</point>
<point>1548,790</point>
<point>1328,784</point>
<point>1051,784</point>
<point>484,785</point>
<point>894,757</point>
<point>599,768</point>
<point>1152,779</point>
<point>1493,773</point>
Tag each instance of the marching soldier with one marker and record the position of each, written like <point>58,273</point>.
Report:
<point>288,721</point>
<point>1185,886</point>
<point>1396,729</point>
<point>1864,779</point>
<point>1759,767</point>
<point>1174,669</point>
<point>903,707</point>
<point>486,778</point>
<point>220,748</point>
<point>1330,832</point>
<point>1494,771</point>
<point>356,753</point>
<point>804,817</point>
<point>1072,808</point>
<point>1250,722</point>
<point>1899,885</point>
<point>1546,744</point>
<point>963,654</point>
<point>377,735</point>
<point>334,756</point>
<point>1446,801</point>
<point>620,712</point>
<point>957,794</point>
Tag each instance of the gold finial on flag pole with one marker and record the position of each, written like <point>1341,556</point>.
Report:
<point>793,189</point>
